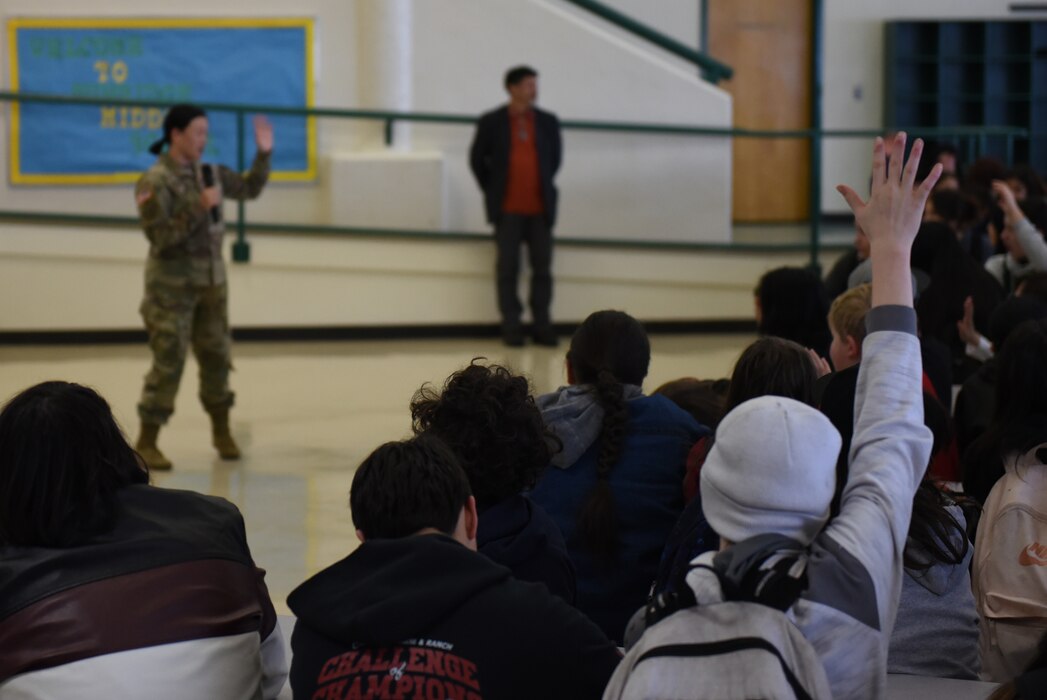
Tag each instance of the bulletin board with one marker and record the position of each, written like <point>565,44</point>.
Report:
<point>203,61</point>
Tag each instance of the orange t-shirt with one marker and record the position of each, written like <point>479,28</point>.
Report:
<point>523,190</point>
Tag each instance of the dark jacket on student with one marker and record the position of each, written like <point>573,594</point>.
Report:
<point>647,484</point>
<point>836,280</point>
<point>973,413</point>
<point>523,538</point>
<point>166,604</point>
<point>425,616</point>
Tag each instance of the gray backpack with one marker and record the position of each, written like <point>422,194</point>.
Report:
<point>732,649</point>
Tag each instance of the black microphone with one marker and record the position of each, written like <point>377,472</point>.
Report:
<point>208,173</point>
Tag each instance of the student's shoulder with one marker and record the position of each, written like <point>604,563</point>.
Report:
<point>524,608</point>
<point>534,622</point>
<point>663,413</point>
<point>185,512</point>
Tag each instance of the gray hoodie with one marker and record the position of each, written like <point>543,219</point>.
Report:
<point>936,633</point>
<point>854,566</point>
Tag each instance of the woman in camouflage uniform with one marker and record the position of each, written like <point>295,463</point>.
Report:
<point>179,203</point>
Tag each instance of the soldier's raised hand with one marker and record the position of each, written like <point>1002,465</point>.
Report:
<point>263,134</point>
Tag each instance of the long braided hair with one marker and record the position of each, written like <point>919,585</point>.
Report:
<point>608,350</point>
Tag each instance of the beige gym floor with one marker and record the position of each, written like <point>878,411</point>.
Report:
<point>306,415</point>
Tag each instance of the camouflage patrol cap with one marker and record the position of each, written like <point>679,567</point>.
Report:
<point>178,117</point>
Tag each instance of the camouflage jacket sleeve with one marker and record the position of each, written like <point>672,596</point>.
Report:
<point>167,220</point>
<point>249,185</point>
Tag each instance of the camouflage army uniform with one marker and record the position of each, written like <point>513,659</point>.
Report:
<point>185,284</point>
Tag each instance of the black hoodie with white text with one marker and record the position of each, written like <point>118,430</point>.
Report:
<point>425,617</point>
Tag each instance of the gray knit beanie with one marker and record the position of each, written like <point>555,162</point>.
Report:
<point>772,469</point>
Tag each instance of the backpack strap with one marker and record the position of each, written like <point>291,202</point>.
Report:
<point>678,597</point>
<point>728,646</point>
<point>766,569</point>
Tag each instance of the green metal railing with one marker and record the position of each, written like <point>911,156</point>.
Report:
<point>975,138</point>
<point>712,70</point>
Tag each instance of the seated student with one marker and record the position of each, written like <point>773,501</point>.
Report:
<point>954,277</point>
<point>616,489</point>
<point>974,404</point>
<point>1020,228</point>
<point>936,630</point>
<point>702,398</point>
<point>836,279</point>
<point>109,587</point>
<point>847,324</point>
<point>791,303</point>
<point>487,417</point>
<point>1032,286</point>
<point>947,155</point>
<point>1010,561</point>
<point>770,496</point>
<point>768,367</point>
<point>977,184</point>
<point>846,321</point>
<point>1026,183</point>
<point>953,208</point>
<point>415,611</point>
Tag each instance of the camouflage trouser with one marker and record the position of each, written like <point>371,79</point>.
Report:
<point>174,318</point>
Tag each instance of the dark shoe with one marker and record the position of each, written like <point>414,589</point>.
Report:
<point>513,337</point>
<point>546,337</point>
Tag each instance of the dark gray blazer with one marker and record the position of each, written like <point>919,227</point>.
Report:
<point>489,159</point>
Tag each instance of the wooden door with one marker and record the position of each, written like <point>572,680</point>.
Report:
<point>768,43</point>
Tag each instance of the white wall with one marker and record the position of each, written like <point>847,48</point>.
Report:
<point>51,279</point>
<point>619,187</point>
<point>679,19</point>
<point>854,32</point>
<point>667,188</point>
<point>336,86</point>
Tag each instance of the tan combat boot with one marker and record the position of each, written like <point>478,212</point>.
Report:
<point>150,453</point>
<point>220,435</point>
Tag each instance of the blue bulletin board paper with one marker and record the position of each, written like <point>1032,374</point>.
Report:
<point>212,60</point>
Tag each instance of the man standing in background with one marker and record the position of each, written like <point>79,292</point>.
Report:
<point>186,298</point>
<point>514,156</point>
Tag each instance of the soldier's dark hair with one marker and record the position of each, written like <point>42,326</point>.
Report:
<point>489,419</point>
<point>404,487</point>
<point>608,350</point>
<point>518,73</point>
<point>62,461</point>
<point>178,117</point>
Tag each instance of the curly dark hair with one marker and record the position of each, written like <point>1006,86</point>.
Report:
<point>489,419</point>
